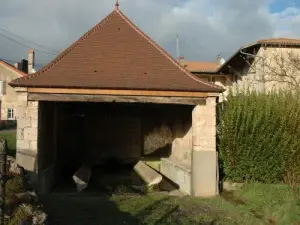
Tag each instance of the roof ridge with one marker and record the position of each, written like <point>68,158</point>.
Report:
<point>13,68</point>
<point>168,56</point>
<point>69,49</point>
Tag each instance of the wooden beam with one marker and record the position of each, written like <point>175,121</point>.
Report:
<point>112,98</point>
<point>117,92</point>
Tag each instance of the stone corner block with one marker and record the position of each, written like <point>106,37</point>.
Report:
<point>30,134</point>
<point>211,101</point>
<point>205,174</point>
<point>27,160</point>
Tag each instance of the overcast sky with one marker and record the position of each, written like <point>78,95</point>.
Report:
<point>206,28</point>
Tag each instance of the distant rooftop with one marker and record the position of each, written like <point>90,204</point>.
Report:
<point>289,41</point>
<point>194,66</point>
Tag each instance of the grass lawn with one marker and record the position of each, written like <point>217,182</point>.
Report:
<point>258,203</point>
<point>11,137</point>
<point>253,204</point>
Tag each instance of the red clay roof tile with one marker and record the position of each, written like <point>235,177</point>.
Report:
<point>115,54</point>
<point>195,66</point>
<point>282,41</point>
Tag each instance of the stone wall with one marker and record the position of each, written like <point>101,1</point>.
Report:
<point>27,131</point>
<point>171,131</point>
<point>205,159</point>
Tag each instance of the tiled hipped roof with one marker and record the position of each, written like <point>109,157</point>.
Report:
<point>115,54</point>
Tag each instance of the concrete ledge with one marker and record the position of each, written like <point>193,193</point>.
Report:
<point>204,175</point>
<point>178,174</point>
<point>26,159</point>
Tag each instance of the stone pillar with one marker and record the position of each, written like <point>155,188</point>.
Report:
<point>27,131</point>
<point>204,156</point>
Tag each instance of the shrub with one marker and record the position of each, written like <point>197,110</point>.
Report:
<point>14,186</point>
<point>259,137</point>
<point>20,215</point>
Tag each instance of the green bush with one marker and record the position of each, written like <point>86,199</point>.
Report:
<point>259,137</point>
<point>20,215</point>
<point>14,186</point>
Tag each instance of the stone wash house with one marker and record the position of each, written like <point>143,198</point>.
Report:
<point>115,93</point>
<point>9,98</point>
<point>265,65</point>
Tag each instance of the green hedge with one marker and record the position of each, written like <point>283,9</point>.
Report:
<point>259,137</point>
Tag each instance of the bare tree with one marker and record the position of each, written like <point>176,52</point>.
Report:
<point>282,68</point>
<point>277,69</point>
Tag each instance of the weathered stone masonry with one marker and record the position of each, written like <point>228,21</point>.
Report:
<point>204,156</point>
<point>197,177</point>
<point>27,131</point>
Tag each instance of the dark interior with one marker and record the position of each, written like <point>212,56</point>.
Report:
<point>108,137</point>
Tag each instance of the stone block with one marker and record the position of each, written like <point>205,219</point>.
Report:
<point>149,175</point>
<point>33,104</point>
<point>22,97</point>
<point>211,101</point>
<point>199,124</point>
<point>30,134</point>
<point>20,134</point>
<point>207,111</point>
<point>178,174</point>
<point>33,145</point>
<point>204,174</point>
<point>21,103</point>
<point>26,159</point>
<point>23,123</point>
<point>23,144</point>
<point>204,131</point>
<point>211,121</point>
<point>34,123</point>
<point>32,113</point>
<point>21,112</point>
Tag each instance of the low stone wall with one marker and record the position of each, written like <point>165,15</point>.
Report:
<point>178,174</point>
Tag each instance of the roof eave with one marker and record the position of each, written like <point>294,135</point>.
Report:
<point>234,55</point>
<point>15,85</point>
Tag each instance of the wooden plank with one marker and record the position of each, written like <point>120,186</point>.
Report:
<point>112,98</point>
<point>117,92</point>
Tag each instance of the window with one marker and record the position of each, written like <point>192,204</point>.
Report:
<point>10,114</point>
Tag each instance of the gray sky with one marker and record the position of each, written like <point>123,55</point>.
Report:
<point>206,27</point>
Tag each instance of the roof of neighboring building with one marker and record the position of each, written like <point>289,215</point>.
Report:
<point>280,42</point>
<point>115,54</point>
<point>194,66</point>
<point>283,41</point>
<point>7,65</point>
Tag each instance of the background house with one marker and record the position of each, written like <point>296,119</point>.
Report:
<point>208,71</point>
<point>8,96</point>
<point>265,65</point>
